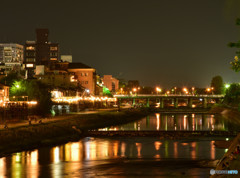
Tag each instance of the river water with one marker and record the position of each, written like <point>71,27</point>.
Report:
<point>178,122</point>
<point>125,157</point>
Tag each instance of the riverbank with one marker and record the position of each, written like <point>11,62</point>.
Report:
<point>67,128</point>
<point>231,159</point>
<point>227,112</point>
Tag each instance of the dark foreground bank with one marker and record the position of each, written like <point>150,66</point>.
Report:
<point>72,128</point>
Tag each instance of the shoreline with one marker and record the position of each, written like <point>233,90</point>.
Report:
<point>73,127</point>
<point>69,128</point>
<point>231,159</point>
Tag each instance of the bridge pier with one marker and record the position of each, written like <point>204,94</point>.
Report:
<point>190,102</point>
<point>176,102</point>
<point>204,102</point>
<point>148,103</point>
<point>161,103</point>
<point>119,103</point>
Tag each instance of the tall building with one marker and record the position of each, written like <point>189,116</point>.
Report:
<point>40,52</point>
<point>11,55</point>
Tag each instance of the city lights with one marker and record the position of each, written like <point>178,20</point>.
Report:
<point>78,99</point>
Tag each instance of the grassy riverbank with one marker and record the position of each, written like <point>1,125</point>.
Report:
<point>70,128</point>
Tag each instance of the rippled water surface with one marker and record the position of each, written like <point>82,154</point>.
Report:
<point>126,157</point>
<point>178,122</point>
<point>92,157</point>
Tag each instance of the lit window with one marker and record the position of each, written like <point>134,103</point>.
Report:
<point>53,59</point>
<point>72,79</point>
<point>53,48</point>
<point>86,74</point>
<point>29,65</point>
<point>30,48</point>
<point>30,60</point>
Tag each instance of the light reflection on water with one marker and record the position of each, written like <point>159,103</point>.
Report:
<point>70,159</point>
<point>178,122</point>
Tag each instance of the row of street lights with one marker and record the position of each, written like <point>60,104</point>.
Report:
<point>187,91</point>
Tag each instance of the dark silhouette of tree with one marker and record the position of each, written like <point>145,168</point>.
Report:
<point>235,64</point>
<point>217,84</point>
<point>232,94</point>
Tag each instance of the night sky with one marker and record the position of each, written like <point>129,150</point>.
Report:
<point>158,42</point>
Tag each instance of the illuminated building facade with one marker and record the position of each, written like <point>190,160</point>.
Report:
<point>61,80</point>
<point>11,56</point>
<point>4,94</point>
<point>40,52</point>
<point>86,75</point>
<point>111,83</point>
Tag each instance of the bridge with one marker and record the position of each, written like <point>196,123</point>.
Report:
<point>205,99</point>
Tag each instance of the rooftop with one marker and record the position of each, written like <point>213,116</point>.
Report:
<point>78,65</point>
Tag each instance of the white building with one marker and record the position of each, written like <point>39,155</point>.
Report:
<point>11,56</point>
<point>66,58</point>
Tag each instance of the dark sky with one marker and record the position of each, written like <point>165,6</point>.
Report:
<point>158,42</point>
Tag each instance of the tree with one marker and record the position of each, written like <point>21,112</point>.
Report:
<point>10,78</point>
<point>236,63</point>
<point>217,84</point>
<point>35,90</point>
<point>232,94</point>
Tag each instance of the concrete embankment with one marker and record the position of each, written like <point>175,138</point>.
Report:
<point>70,128</point>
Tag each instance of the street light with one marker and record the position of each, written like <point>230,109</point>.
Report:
<point>208,90</point>
<point>185,90</point>
<point>193,90</point>
<point>135,90</point>
<point>175,88</point>
<point>226,86</point>
<point>158,90</point>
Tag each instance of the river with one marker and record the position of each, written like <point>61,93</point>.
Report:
<point>125,157</point>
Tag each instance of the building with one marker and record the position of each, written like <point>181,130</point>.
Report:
<point>40,52</point>
<point>4,95</point>
<point>66,58</point>
<point>111,83</point>
<point>86,76</point>
<point>11,56</point>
